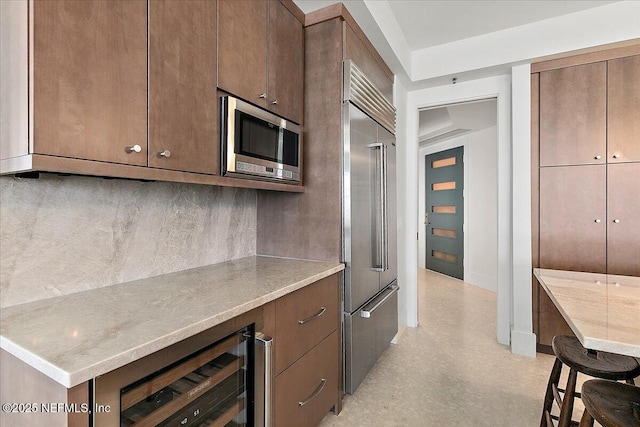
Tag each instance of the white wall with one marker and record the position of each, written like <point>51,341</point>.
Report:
<point>522,339</point>
<point>407,273</point>
<point>480,205</point>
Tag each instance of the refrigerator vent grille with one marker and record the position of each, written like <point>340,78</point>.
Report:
<point>363,93</point>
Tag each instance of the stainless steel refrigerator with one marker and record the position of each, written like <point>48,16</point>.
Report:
<point>370,314</point>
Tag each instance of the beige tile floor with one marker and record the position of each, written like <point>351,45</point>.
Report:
<point>450,371</point>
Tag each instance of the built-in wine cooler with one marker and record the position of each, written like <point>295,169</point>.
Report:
<point>224,384</point>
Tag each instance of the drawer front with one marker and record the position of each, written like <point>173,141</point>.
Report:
<point>313,381</point>
<point>304,318</point>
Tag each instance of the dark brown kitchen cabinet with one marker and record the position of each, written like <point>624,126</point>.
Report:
<point>286,63</point>
<point>183,112</point>
<point>586,210</point>
<point>308,359</point>
<point>573,115</point>
<point>623,222</point>
<point>623,98</point>
<point>242,49</point>
<point>261,55</point>
<point>573,218</point>
<point>90,80</point>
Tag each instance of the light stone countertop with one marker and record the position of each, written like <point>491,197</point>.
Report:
<point>76,337</point>
<point>603,310</point>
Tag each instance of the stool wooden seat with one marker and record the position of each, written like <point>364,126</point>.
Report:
<point>598,364</point>
<point>611,404</point>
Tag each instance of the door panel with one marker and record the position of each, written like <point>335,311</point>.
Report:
<point>361,280</point>
<point>444,174</point>
<point>573,218</point>
<point>366,338</point>
<point>286,62</point>
<point>183,106</point>
<point>624,110</point>
<point>90,80</point>
<point>391,273</point>
<point>242,49</point>
<point>573,115</point>
<point>623,238</point>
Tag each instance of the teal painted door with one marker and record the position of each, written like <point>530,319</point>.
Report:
<point>444,212</point>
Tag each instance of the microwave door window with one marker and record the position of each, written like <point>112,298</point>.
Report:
<point>258,138</point>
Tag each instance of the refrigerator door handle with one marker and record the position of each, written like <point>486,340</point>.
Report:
<point>385,236</point>
<point>366,313</point>
<point>379,258</point>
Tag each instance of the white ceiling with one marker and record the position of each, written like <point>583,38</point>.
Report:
<point>441,123</point>
<point>428,42</point>
<point>430,23</point>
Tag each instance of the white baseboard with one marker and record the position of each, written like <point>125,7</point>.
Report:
<point>401,330</point>
<point>482,281</point>
<point>523,343</point>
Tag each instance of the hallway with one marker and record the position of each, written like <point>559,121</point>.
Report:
<point>450,370</point>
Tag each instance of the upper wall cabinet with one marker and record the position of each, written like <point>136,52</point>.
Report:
<point>624,110</point>
<point>261,55</point>
<point>127,89</point>
<point>286,63</point>
<point>183,108</point>
<point>90,80</point>
<point>573,115</point>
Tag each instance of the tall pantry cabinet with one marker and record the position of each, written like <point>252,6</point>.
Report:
<point>586,171</point>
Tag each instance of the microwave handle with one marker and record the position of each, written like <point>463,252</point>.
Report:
<point>264,381</point>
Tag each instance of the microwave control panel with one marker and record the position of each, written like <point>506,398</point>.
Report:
<point>263,170</point>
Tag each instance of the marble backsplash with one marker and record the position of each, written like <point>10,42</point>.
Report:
<point>60,235</point>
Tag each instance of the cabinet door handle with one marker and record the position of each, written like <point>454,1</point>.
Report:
<point>616,156</point>
<point>597,221</point>
<point>165,153</point>
<point>274,102</point>
<point>134,149</point>
<point>315,316</point>
<point>262,95</point>
<point>598,157</point>
<point>317,391</point>
<point>617,221</point>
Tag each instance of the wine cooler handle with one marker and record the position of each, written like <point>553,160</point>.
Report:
<point>264,383</point>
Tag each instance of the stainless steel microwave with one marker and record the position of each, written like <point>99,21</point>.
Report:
<point>258,144</point>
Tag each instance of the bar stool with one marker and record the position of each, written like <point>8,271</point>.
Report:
<point>598,364</point>
<point>611,404</point>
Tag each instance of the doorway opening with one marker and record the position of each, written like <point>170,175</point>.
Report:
<point>469,130</point>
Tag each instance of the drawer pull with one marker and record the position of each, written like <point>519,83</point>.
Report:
<point>315,316</point>
<point>315,393</point>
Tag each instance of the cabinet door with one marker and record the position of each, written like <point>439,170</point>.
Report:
<point>573,115</point>
<point>623,211</point>
<point>90,80</point>
<point>573,218</point>
<point>306,391</point>
<point>183,119</point>
<point>242,49</point>
<point>624,109</point>
<point>286,63</point>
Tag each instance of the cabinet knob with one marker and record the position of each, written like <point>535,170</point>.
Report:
<point>616,156</point>
<point>274,102</point>
<point>598,157</point>
<point>617,221</point>
<point>262,95</point>
<point>134,149</point>
<point>165,153</point>
<point>597,221</point>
